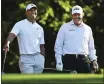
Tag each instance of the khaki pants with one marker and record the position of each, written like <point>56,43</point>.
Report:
<point>31,63</point>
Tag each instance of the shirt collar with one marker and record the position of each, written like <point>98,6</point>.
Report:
<point>30,22</point>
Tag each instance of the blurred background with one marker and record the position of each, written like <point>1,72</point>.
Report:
<point>51,15</point>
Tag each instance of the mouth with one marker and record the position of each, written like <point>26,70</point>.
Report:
<point>33,14</point>
<point>77,19</point>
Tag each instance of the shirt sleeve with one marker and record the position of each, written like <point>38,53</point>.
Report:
<point>59,44</point>
<point>42,38</point>
<point>15,29</point>
<point>92,50</point>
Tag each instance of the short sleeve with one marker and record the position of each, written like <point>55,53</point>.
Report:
<point>16,29</point>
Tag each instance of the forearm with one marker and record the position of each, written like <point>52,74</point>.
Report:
<point>10,38</point>
<point>92,55</point>
<point>58,52</point>
<point>42,49</point>
<point>92,50</point>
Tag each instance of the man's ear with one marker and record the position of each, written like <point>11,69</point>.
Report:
<point>82,15</point>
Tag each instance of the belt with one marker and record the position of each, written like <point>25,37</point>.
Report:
<point>31,54</point>
<point>76,55</point>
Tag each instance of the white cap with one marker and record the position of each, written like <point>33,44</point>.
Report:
<point>77,9</point>
<point>29,6</point>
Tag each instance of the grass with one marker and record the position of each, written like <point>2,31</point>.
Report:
<point>52,78</point>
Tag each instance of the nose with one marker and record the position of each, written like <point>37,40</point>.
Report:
<point>33,11</point>
<point>77,15</point>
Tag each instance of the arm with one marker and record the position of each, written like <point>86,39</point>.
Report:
<point>42,49</point>
<point>10,38</point>
<point>59,49</point>
<point>14,32</point>
<point>59,45</point>
<point>92,53</point>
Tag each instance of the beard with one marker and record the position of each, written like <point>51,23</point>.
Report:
<point>33,17</point>
<point>77,22</point>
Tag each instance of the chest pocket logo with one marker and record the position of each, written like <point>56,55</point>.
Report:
<point>71,29</point>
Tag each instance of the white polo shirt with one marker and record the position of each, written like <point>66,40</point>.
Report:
<point>29,36</point>
<point>72,39</point>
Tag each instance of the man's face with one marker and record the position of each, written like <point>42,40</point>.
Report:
<point>77,18</point>
<point>31,13</point>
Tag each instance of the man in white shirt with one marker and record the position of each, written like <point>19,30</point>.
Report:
<point>30,37</point>
<point>74,46</point>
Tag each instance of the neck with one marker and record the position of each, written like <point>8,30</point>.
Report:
<point>77,24</point>
<point>31,20</point>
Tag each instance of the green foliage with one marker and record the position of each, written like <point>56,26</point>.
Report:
<point>50,14</point>
<point>22,6</point>
<point>88,11</point>
<point>65,5</point>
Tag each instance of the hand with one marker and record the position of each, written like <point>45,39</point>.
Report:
<point>6,47</point>
<point>59,66</point>
<point>95,65</point>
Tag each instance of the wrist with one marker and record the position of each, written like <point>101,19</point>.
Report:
<point>7,43</point>
<point>58,60</point>
<point>42,53</point>
<point>94,60</point>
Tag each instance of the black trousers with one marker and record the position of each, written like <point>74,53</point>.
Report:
<point>80,63</point>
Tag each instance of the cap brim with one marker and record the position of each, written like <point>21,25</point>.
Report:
<point>35,7</point>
